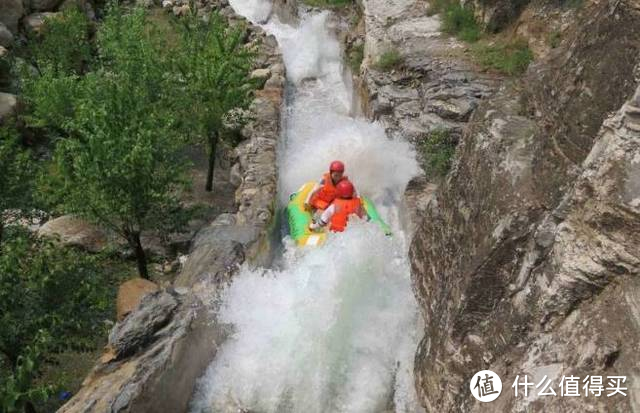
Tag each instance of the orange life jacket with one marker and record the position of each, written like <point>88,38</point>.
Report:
<point>326,194</point>
<point>344,208</point>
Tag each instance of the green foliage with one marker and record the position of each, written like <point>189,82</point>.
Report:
<point>120,162</point>
<point>355,57</point>
<point>215,65</point>
<point>460,21</point>
<point>59,55</point>
<point>16,387</point>
<point>437,150</point>
<point>63,45</point>
<point>52,299</point>
<point>328,3</point>
<point>554,38</point>
<point>45,287</point>
<point>389,60</point>
<point>511,58</point>
<point>456,19</point>
<point>16,175</point>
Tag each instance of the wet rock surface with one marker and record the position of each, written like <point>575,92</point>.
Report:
<point>526,259</point>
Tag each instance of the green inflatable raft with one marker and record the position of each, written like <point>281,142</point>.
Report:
<point>299,218</point>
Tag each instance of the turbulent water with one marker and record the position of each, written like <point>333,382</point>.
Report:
<point>334,328</point>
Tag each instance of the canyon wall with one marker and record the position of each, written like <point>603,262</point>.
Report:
<point>525,256</point>
<point>526,259</point>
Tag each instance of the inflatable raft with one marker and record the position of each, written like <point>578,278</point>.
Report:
<point>299,218</point>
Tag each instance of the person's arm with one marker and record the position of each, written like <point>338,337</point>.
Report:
<point>361,211</point>
<point>325,218</point>
<point>311,193</point>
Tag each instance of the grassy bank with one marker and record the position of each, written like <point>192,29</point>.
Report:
<point>509,56</point>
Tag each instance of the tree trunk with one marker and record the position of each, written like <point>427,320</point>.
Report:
<point>1,231</point>
<point>29,408</point>
<point>141,258</point>
<point>213,142</point>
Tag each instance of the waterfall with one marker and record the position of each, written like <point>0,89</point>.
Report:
<point>332,329</point>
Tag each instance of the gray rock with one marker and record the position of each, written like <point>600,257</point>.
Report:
<point>526,261</point>
<point>12,12</point>
<point>73,231</point>
<point>139,327</point>
<point>497,14</point>
<point>261,74</point>
<point>235,175</point>
<point>44,5</point>
<point>6,37</point>
<point>8,105</point>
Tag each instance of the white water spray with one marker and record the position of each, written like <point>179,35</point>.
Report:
<point>334,330</point>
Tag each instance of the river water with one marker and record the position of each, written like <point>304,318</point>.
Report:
<point>332,329</point>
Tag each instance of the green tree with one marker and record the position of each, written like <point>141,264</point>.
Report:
<point>215,64</point>
<point>120,164</point>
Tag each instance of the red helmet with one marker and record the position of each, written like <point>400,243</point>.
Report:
<point>336,166</point>
<point>344,189</point>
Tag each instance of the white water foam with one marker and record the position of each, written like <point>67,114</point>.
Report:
<point>335,329</point>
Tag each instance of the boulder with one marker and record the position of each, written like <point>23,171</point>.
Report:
<point>74,231</point>
<point>261,74</point>
<point>33,23</point>
<point>11,11</point>
<point>497,14</point>
<point>216,252</point>
<point>44,5</point>
<point>6,37</point>
<point>138,329</point>
<point>8,105</point>
<point>235,175</point>
<point>131,293</point>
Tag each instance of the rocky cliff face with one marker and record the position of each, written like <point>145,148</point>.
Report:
<point>525,260</point>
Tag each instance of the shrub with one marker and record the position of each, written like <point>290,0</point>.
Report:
<point>437,150</point>
<point>460,21</point>
<point>554,38</point>
<point>511,58</point>
<point>52,299</point>
<point>64,43</point>
<point>389,60</point>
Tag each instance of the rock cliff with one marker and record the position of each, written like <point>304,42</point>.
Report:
<point>525,259</point>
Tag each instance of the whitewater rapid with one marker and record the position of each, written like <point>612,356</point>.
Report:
<point>333,329</point>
